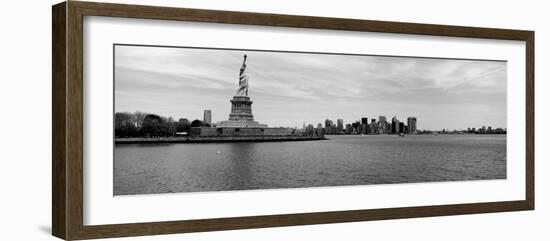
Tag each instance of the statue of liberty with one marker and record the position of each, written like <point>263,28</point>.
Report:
<point>243,80</point>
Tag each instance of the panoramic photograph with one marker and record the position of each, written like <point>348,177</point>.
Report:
<point>189,119</point>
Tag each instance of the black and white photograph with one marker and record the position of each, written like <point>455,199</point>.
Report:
<point>193,119</point>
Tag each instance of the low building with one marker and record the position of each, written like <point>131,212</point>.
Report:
<point>238,131</point>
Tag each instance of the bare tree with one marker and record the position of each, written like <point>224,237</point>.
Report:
<point>138,118</point>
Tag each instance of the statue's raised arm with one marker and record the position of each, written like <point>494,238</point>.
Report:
<point>243,80</point>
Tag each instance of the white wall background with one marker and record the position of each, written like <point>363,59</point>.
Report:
<point>25,107</point>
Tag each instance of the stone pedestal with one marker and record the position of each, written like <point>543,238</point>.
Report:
<point>241,109</point>
<point>241,114</point>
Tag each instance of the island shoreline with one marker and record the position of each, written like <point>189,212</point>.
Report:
<point>216,139</point>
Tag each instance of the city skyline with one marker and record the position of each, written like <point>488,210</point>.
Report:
<point>207,120</point>
<point>292,88</point>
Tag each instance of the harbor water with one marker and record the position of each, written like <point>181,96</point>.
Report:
<point>337,161</point>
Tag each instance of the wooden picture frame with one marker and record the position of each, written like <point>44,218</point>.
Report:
<point>67,123</point>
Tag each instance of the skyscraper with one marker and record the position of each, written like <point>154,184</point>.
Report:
<point>329,127</point>
<point>356,127</point>
<point>401,128</point>
<point>319,130</point>
<point>382,125</point>
<point>373,127</point>
<point>349,129</point>
<point>310,130</point>
<point>394,125</point>
<point>207,119</point>
<point>365,126</point>
<point>340,126</point>
<point>411,124</point>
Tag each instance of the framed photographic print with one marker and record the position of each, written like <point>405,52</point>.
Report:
<point>171,120</point>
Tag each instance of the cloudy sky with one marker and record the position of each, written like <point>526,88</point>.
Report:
<point>291,88</point>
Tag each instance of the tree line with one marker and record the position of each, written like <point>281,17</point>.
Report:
<point>140,124</point>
